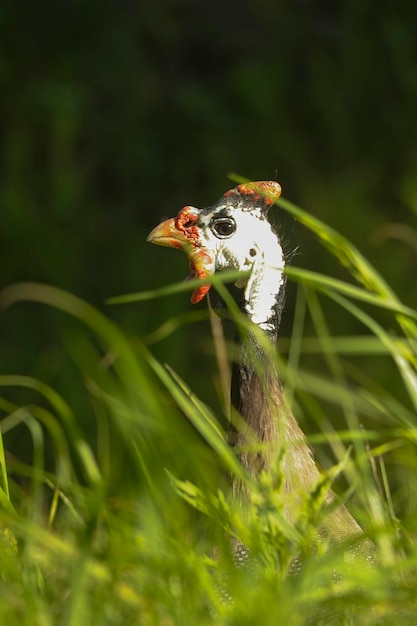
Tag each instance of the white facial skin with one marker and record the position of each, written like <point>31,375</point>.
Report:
<point>240,239</point>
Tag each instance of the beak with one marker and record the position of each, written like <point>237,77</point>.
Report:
<point>167,234</point>
<point>201,262</point>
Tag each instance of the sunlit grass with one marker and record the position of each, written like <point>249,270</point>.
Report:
<point>132,524</point>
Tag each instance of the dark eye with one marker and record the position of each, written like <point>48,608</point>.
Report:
<point>223,227</point>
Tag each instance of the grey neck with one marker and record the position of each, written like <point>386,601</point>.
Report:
<point>254,378</point>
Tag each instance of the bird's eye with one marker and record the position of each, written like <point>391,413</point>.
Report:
<point>223,227</point>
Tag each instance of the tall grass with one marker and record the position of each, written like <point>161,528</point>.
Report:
<point>131,524</point>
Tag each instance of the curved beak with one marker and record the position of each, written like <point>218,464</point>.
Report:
<point>167,234</point>
<point>201,262</point>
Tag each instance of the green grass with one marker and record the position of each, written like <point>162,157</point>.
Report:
<point>130,523</point>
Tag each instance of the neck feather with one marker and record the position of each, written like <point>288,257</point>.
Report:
<point>264,425</point>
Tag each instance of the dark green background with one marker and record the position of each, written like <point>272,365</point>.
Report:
<point>114,115</point>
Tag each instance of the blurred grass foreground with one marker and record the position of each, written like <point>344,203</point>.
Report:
<point>117,513</point>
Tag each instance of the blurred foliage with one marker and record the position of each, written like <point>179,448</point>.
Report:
<point>116,114</point>
<point>133,525</point>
